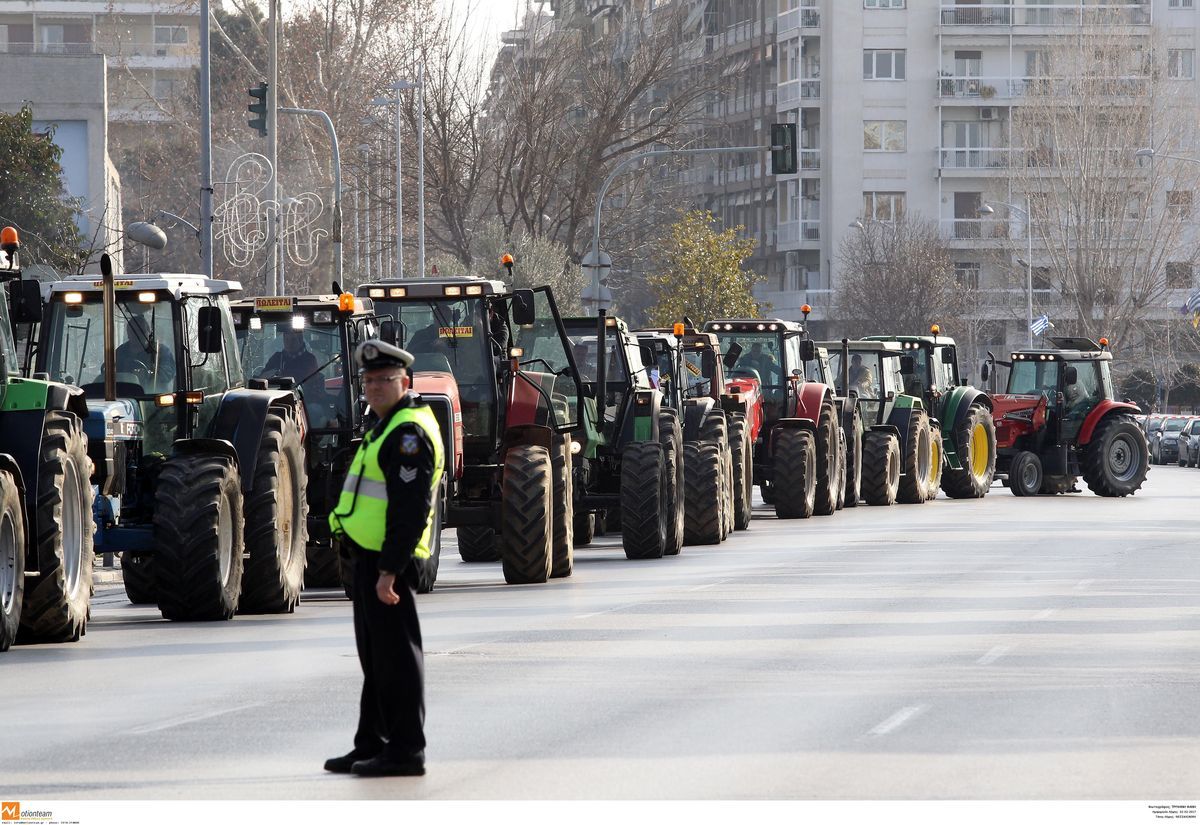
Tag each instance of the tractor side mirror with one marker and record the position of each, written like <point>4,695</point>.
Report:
<point>985,371</point>
<point>208,323</point>
<point>389,332</point>
<point>649,359</point>
<point>808,349</point>
<point>947,355</point>
<point>1070,375</point>
<point>908,365</point>
<point>27,303</point>
<point>732,356</point>
<point>524,312</point>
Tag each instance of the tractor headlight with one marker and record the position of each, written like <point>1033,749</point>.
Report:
<point>576,448</point>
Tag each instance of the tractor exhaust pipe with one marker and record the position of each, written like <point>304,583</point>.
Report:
<point>110,357</point>
<point>601,358</point>
<point>846,366</point>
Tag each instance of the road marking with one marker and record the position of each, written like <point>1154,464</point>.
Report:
<point>900,717</point>
<point>702,587</point>
<point>1045,614</point>
<point>602,612</point>
<point>454,650</point>
<point>195,717</point>
<point>1083,585</point>
<point>993,654</point>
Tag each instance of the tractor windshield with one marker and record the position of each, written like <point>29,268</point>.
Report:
<point>761,357</point>
<point>1030,377</point>
<point>616,376</point>
<point>311,356</point>
<point>873,374</point>
<point>699,369</point>
<point>144,337</point>
<point>8,347</point>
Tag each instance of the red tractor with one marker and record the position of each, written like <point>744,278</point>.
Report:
<point>1059,420</point>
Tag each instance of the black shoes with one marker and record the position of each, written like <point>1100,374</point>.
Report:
<point>343,764</point>
<point>383,766</point>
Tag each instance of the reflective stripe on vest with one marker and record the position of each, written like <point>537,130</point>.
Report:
<point>361,512</point>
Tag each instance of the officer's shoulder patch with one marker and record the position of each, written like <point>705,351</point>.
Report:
<point>410,444</point>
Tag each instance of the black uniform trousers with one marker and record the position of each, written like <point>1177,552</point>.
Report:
<point>391,716</point>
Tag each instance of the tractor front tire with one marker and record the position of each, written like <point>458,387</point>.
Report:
<point>854,459</point>
<point>1025,474</point>
<point>137,574</point>
<point>644,506</point>
<point>12,559</point>
<point>199,538</point>
<point>670,435</point>
<point>827,461</point>
<point>743,473</point>
<point>1115,460</point>
<point>564,510</point>
<point>715,430</point>
<point>702,493</point>
<point>917,460</point>
<point>57,602</point>
<point>841,478</point>
<point>276,512</point>
<point>322,567</point>
<point>795,473</point>
<point>881,469</point>
<point>975,444</point>
<point>937,462</point>
<point>526,513</point>
<point>478,544</point>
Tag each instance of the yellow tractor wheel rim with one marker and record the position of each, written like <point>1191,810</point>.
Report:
<point>979,451</point>
<point>935,460</point>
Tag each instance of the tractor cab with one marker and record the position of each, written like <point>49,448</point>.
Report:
<point>874,371</point>
<point>1072,382</point>
<point>609,412</point>
<point>934,364</point>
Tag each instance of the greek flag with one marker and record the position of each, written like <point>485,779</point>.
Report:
<point>1040,325</point>
<point>1193,302</point>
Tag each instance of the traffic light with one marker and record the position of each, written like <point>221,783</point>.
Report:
<point>258,108</point>
<point>783,149</point>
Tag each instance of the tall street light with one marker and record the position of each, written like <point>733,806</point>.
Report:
<point>397,87</point>
<point>395,101</point>
<point>986,210</point>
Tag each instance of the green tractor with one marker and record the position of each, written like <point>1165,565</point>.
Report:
<point>200,473</point>
<point>901,443</point>
<point>968,431</point>
<point>45,499</point>
<point>628,452</point>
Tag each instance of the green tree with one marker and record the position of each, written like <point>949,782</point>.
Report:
<point>699,272</point>
<point>1140,387</point>
<point>32,195</point>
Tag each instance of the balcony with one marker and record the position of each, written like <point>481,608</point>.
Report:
<point>805,17</point>
<point>49,48</point>
<point>135,55</point>
<point>974,158</point>
<point>797,233</point>
<point>744,32</point>
<point>805,89</point>
<point>1045,14</point>
<point>988,90</point>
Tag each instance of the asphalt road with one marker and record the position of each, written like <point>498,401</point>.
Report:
<point>1004,648</point>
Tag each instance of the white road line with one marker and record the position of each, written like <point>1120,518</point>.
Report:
<point>602,612</point>
<point>993,654</point>
<point>454,650</point>
<point>195,717</point>
<point>1045,614</point>
<point>1083,585</point>
<point>702,587</point>
<point>897,719</point>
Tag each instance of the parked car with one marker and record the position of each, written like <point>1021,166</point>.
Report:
<point>1189,443</point>
<point>1164,442</point>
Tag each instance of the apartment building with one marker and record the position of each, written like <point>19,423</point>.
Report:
<point>905,106</point>
<point>152,46</point>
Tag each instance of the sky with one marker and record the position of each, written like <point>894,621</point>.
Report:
<point>492,16</point>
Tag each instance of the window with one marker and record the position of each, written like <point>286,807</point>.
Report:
<point>885,135</point>
<point>966,274</point>
<point>1179,4</point>
<point>1179,275</point>
<point>1181,63</point>
<point>899,4</point>
<point>1179,204</point>
<point>52,39</point>
<point>883,64</point>
<point>883,206</point>
<point>170,35</point>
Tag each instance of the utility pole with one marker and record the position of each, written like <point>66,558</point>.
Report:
<point>206,185</point>
<point>421,170</point>
<point>277,285</point>
<point>337,182</point>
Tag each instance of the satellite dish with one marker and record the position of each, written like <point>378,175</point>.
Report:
<point>147,234</point>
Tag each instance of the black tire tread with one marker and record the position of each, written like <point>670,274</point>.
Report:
<point>11,506</point>
<point>527,502</point>
<point>564,510</point>
<point>702,492</point>
<point>1092,463</point>
<point>879,485</point>
<point>795,473</point>
<point>827,454</point>
<point>961,483</point>
<point>478,544</point>
<point>643,501</point>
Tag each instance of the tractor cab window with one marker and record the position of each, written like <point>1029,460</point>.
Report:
<point>921,379</point>
<point>546,360</point>
<point>8,347</point>
<point>761,358</point>
<point>1084,393</point>
<point>1034,377</point>
<point>616,376</point>
<point>143,339</point>
<point>944,377</point>
<point>309,354</point>
<point>1106,381</point>
<point>207,368</point>
<point>699,368</point>
<point>872,376</point>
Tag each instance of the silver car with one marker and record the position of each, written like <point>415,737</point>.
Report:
<point>1189,443</point>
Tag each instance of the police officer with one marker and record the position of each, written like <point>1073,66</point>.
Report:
<point>384,517</point>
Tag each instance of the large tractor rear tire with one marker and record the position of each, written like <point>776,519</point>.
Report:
<point>1115,460</point>
<point>854,458</point>
<point>715,430</point>
<point>841,477</point>
<point>795,473</point>
<point>137,574</point>
<point>743,473</point>
<point>644,506</point>
<point>827,461</point>
<point>57,603</point>
<point>917,460</point>
<point>937,461</point>
<point>199,538</point>
<point>476,544</point>
<point>526,515</point>
<point>1025,474</point>
<point>975,444</point>
<point>881,469</point>
<point>276,512</point>
<point>702,493</point>
<point>670,436</point>
<point>322,567</point>
<point>427,569</point>
<point>564,510</point>
<point>12,559</point>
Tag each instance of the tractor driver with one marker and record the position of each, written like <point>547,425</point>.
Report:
<point>294,360</point>
<point>144,356</point>
<point>764,362</point>
<point>860,377</point>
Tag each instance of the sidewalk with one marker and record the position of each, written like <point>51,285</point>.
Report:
<point>106,575</point>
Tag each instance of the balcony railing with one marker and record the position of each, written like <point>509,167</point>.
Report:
<point>810,160</point>
<point>983,89</point>
<point>1045,14</point>
<point>973,158</point>
<point>48,48</point>
<point>797,232</point>
<point>801,18</point>
<point>803,89</point>
<point>1013,229</point>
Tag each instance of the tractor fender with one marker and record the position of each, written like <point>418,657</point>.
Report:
<point>67,399</point>
<point>1100,412</point>
<point>641,424</point>
<point>889,428</point>
<point>207,446</point>
<point>241,420</point>
<point>899,422</point>
<point>809,398</point>
<point>788,424</point>
<point>527,435</point>
<point>9,464</point>
<point>956,405</point>
<point>695,410</point>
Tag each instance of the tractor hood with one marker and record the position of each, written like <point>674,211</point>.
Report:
<point>120,420</point>
<point>1017,414</point>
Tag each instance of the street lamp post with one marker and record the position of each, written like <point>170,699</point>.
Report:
<point>365,149</point>
<point>390,101</point>
<point>337,182</point>
<point>397,87</point>
<point>985,210</point>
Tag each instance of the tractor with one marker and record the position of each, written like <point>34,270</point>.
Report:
<point>502,362</point>
<point>968,432</point>
<point>1059,420</point>
<point>45,499</point>
<point>628,452</point>
<point>690,372</point>
<point>200,474</point>
<point>798,454</point>
<point>901,443</point>
<point>308,342</point>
